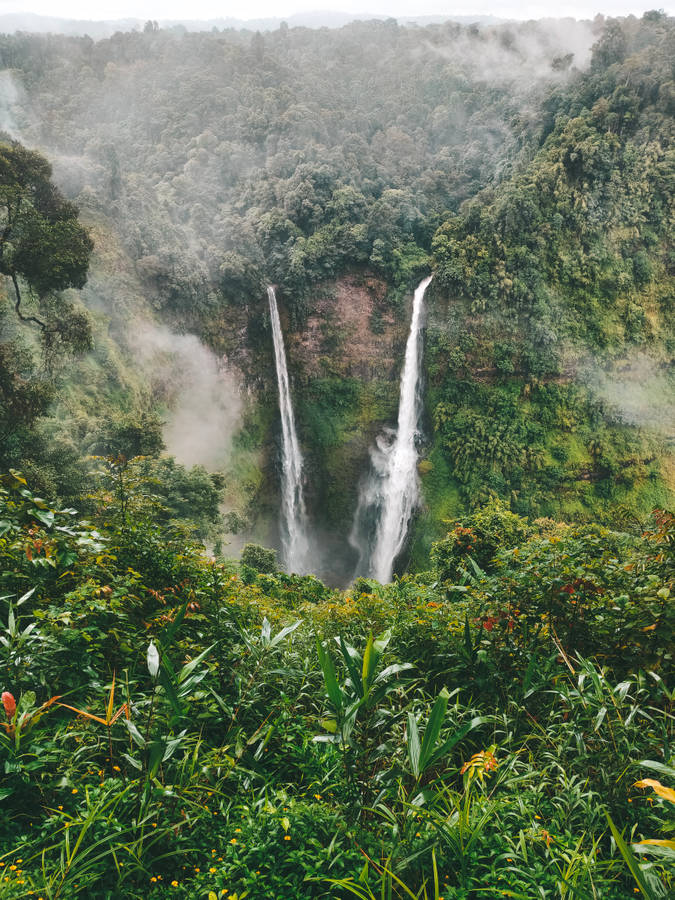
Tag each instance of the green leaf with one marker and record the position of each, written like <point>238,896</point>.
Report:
<point>413,742</point>
<point>433,728</point>
<point>46,517</point>
<point>167,678</point>
<point>188,668</point>
<point>284,633</point>
<point>167,636</point>
<point>658,767</point>
<point>445,748</point>
<point>369,663</point>
<point>352,658</point>
<point>25,596</point>
<point>134,762</point>
<point>329,677</point>
<point>157,749</point>
<point>394,669</point>
<point>135,733</point>
<point>631,860</point>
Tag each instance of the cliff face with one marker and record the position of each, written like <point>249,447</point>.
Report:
<point>351,333</point>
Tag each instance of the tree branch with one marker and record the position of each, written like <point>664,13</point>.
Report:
<point>17,306</point>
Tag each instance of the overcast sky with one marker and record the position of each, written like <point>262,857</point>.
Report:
<point>247,9</point>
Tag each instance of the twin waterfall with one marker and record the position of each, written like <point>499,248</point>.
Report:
<point>390,494</point>
<point>294,539</point>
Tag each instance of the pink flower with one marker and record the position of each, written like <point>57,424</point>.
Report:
<point>9,703</point>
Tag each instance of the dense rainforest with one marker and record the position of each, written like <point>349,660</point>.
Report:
<point>181,716</point>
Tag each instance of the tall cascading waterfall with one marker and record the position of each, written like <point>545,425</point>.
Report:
<point>389,496</point>
<point>294,530</point>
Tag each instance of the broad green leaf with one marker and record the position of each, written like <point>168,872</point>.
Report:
<point>135,733</point>
<point>433,729</point>
<point>134,762</point>
<point>394,669</point>
<point>446,747</point>
<point>658,767</point>
<point>188,668</point>
<point>329,677</point>
<point>25,596</point>
<point>284,633</point>
<point>413,741</point>
<point>172,745</point>
<point>167,679</point>
<point>157,749</point>
<point>369,663</point>
<point>45,516</point>
<point>352,660</point>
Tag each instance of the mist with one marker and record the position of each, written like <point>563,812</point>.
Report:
<point>201,395</point>
<point>9,98</point>
<point>522,55</point>
<point>639,391</point>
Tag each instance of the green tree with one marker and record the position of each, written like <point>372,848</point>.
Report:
<point>43,247</point>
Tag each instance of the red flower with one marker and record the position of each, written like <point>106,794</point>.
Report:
<point>9,703</point>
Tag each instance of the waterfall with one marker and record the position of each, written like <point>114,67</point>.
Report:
<point>295,543</point>
<point>391,493</point>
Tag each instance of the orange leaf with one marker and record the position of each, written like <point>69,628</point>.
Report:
<point>658,788</point>
<point>111,701</point>
<point>82,712</point>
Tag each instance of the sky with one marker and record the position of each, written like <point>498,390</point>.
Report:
<point>248,9</point>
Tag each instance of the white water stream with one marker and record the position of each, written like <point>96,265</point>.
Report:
<point>391,493</point>
<point>294,530</point>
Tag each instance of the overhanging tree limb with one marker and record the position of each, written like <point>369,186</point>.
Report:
<point>17,306</point>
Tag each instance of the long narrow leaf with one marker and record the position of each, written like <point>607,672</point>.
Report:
<point>352,660</point>
<point>369,663</point>
<point>433,729</point>
<point>111,701</point>
<point>329,677</point>
<point>188,668</point>
<point>458,736</point>
<point>289,629</point>
<point>413,742</point>
<point>631,860</point>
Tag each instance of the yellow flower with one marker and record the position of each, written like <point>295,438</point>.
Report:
<point>213,869</point>
<point>233,840</point>
<point>74,791</point>
<point>174,884</point>
<point>287,837</point>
